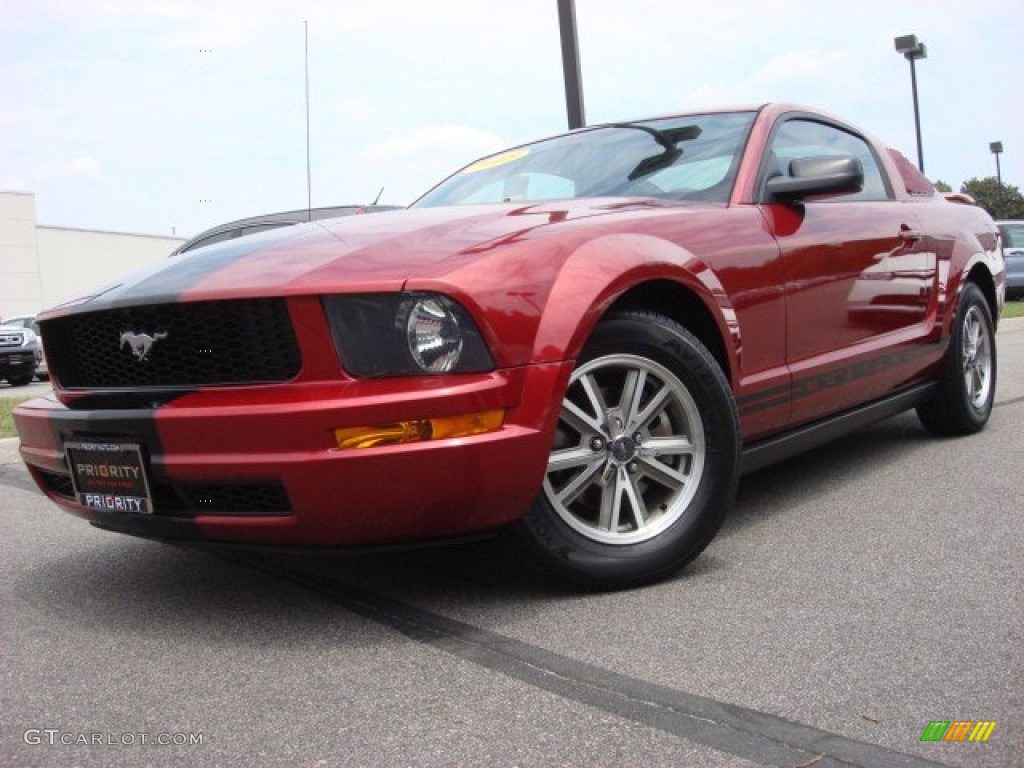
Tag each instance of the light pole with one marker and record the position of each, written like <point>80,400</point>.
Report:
<point>571,64</point>
<point>912,50</point>
<point>996,147</point>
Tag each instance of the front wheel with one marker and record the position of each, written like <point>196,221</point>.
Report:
<point>967,380</point>
<point>644,462</point>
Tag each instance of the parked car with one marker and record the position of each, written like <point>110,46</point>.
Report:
<point>1013,251</point>
<point>255,224</point>
<point>29,321</point>
<point>583,340</point>
<point>19,354</point>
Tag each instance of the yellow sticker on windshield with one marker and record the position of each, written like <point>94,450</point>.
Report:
<point>493,162</point>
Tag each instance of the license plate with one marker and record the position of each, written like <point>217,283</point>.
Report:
<point>109,476</point>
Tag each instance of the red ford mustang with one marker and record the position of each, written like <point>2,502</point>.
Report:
<point>587,339</point>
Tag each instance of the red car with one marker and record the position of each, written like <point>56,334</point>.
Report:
<point>586,339</point>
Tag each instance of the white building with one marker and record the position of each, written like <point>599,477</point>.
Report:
<point>41,266</point>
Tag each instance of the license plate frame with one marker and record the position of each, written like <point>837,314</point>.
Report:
<point>109,475</point>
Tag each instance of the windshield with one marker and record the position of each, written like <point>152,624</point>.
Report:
<point>682,158</point>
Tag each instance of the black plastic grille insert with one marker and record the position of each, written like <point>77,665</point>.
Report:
<point>188,500</point>
<point>174,345</point>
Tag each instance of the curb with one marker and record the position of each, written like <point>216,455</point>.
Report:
<point>1011,323</point>
<point>9,451</point>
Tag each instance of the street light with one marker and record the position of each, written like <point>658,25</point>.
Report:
<point>571,64</point>
<point>996,148</point>
<point>912,50</point>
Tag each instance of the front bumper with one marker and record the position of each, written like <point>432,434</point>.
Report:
<point>260,465</point>
<point>17,363</point>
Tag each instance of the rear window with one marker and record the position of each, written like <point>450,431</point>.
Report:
<point>914,181</point>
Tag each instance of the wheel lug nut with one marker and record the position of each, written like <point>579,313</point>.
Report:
<point>597,444</point>
<point>632,467</point>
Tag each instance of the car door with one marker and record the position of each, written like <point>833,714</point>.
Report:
<point>858,282</point>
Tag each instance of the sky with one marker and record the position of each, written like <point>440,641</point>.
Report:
<point>168,117</point>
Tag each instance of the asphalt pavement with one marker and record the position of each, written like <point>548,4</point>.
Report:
<point>856,594</point>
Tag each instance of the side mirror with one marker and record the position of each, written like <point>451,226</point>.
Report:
<point>814,176</point>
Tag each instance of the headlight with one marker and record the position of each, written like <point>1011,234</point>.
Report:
<point>402,334</point>
<point>435,338</point>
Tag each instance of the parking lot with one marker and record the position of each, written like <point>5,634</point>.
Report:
<point>856,594</point>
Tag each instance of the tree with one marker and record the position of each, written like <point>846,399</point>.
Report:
<point>941,186</point>
<point>1002,202</point>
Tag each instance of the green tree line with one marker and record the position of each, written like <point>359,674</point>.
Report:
<point>1002,201</point>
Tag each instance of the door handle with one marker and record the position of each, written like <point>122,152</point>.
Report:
<point>909,235</point>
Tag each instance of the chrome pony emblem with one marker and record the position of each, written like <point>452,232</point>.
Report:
<point>140,343</point>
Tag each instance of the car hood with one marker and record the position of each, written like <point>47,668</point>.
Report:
<point>356,253</point>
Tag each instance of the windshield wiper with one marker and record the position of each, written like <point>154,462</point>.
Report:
<point>669,139</point>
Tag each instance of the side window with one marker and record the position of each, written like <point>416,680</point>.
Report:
<point>797,139</point>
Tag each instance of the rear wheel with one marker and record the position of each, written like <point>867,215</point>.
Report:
<point>967,381</point>
<point>644,461</point>
<point>20,381</point>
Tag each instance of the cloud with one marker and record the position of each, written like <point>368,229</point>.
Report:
<point>432,139</point>
<point>82,166</point>
<point>802,64</point>
<point>405,165</point>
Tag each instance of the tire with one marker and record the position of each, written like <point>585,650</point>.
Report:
<point>645,458</point>
<point>967,378</point>
<point>20,381</point>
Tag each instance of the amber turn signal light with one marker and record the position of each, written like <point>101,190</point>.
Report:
<point>419,430</point>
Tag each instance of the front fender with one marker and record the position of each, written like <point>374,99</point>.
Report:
<point>599,272</point>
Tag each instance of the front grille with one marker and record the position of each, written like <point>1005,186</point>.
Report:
<point>174,345</point>
<point>265,499</point>
<point>188,500</point>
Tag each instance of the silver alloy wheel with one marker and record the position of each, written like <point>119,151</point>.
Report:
<point>629,450</point>
<point>977,357</point>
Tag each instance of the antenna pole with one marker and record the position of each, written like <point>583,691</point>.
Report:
<point>309,178</point>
